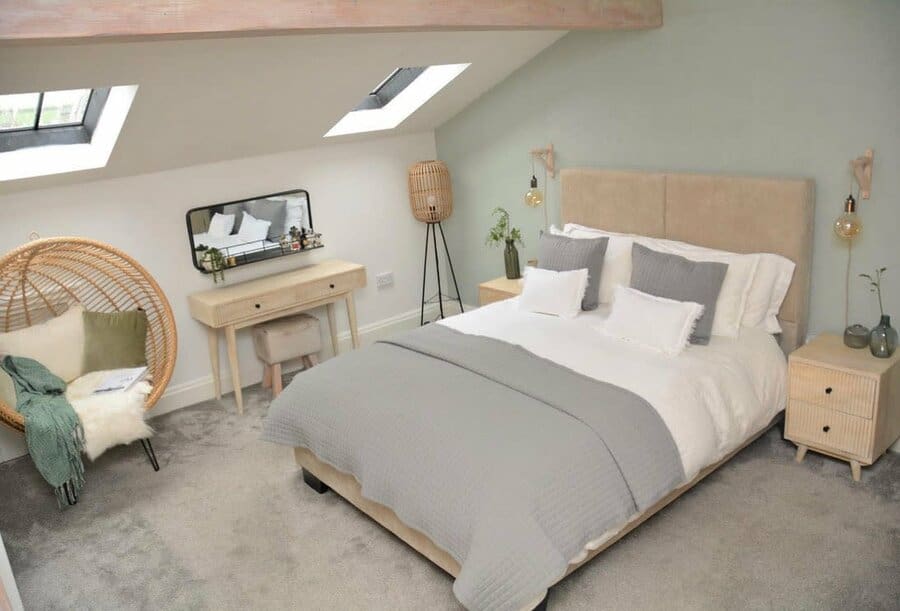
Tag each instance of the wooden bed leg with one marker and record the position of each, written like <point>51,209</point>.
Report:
<point>314,482</point>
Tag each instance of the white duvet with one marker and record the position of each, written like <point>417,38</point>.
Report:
<point>712,398</point>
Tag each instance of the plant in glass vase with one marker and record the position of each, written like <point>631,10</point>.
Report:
<point>502,233</point>
<point>883,338</point>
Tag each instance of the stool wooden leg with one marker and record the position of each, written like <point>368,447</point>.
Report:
<point>276,379</point>
<point>267,376</point>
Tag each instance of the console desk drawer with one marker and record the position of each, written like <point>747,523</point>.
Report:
<point>827,429</point>
<point>832,388</point>
<point>287,297</point>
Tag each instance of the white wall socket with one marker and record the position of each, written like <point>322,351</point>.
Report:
<point>384,280</point>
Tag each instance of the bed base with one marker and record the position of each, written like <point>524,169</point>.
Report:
<point>321,477</point>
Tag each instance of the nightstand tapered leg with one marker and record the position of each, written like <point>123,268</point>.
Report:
<point>856,470</point>
<point>801,453</point>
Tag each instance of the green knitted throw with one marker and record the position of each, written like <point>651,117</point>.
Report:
<point>53,431</point>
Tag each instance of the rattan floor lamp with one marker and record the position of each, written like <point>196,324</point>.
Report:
<point>431,201</point>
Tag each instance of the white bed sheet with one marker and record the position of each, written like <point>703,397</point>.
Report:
<point>712,398</point>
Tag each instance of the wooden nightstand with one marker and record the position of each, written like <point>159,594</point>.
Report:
<point>842,402</point>
<point>498,289</point>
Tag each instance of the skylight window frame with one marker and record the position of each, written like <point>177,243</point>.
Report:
<point>401,106</point>
<point>36,126</point>
<point>58,134</point>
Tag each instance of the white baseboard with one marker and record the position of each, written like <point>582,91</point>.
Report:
<point>201,389</point>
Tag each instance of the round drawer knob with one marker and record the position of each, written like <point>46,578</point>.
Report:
<point>331,286</point>
<point>828,390</point>
<point>826,428</point>
<point>257,306</point>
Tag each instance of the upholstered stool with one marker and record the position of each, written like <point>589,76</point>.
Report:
<point>284,339</point>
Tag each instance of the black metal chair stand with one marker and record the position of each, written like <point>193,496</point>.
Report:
<point>430,229</point>
<point>148,448</point>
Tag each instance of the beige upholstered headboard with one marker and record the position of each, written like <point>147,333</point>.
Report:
<point>736,213</point>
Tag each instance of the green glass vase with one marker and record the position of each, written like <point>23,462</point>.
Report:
<point>511,258</point>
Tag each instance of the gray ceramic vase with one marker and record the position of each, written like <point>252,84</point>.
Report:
<point>883,339</point>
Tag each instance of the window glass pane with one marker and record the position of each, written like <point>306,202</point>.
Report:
<point>18,110</point>
<point>64,107</point>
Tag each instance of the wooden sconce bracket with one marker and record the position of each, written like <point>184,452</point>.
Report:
<point>862,172</point>
<point>545,156</point>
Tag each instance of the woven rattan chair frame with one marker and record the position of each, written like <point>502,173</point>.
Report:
<point>43,278</point>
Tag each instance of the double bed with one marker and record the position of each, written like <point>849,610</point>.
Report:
<point>509,447</point>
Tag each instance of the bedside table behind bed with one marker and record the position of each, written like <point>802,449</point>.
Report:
<point>842,402</point>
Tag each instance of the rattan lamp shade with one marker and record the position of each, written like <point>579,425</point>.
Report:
<point>430,193</point>
<point>43,278</point>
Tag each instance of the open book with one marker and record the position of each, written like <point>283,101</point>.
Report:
<point>121,379</point>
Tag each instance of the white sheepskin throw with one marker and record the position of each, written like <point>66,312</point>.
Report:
<point>109,419</point>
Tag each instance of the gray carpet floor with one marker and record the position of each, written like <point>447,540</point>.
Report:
<point>228,524</point>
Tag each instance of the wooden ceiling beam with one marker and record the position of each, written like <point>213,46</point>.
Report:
<point>46,20</point>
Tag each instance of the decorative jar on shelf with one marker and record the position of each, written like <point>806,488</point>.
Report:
<point>883,339</point>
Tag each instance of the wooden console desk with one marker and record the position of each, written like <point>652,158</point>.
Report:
<point>248,303</point>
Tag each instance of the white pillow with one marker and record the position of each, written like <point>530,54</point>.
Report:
<point>548,292</point>
<point>57,344</point>
<point>221,225</point>
<point>767,293</point>
<point>295,213</point>
<point>616,262</point>
<point>735,290</point>
<point>253,229</point>
<point>652,322</point>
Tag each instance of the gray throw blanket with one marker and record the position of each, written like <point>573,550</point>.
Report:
<point>508,461</point>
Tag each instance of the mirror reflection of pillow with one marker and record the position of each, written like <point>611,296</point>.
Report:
<point>221,225</point>
<point>253,229</point>
<point>272,210</point>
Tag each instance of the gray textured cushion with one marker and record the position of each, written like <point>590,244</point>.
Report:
<point>272,210</point>
<point>562,254</point>
<point>674,277</point>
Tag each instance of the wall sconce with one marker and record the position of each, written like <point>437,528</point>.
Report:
<point>534,197</point>
<point>862,172</point>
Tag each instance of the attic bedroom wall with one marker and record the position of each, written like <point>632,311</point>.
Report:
<point>359,204</point>
<point>762,88</point>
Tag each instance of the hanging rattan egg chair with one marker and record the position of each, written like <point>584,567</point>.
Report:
<point>42,278</point>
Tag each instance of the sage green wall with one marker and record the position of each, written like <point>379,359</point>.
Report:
<point>772,88</point>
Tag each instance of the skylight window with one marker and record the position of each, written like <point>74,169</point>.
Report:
<point>43,110</point>
<point>398,96</point>
<point>52,132</point>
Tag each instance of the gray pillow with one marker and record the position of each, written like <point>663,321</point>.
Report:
<point>272,210</point>
<point>238,211</point>
<point>674,277</point>
<point>563,254</point>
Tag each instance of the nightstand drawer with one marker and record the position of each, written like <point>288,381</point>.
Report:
<point>829,430</point>
<point>832,388</point>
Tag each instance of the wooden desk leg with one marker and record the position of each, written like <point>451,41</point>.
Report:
<point>332,327</point>
<point>212,338</point>
<point>231,339</point>
<point>855,470</point>
<point>351,317</point>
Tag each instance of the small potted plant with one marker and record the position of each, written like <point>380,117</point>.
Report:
<point>502,233</point>
<point>212,260</point>
<point>883,338</point>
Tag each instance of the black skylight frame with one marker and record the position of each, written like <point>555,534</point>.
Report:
<point>390,88</point>
<point>68,133</point>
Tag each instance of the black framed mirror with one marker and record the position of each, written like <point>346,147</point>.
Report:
<point>245,231</point>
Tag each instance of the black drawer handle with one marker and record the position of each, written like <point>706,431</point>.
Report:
<point>331,286</point>
<point>826,428</point>
<point>828,390</point>
<point>257,306</point>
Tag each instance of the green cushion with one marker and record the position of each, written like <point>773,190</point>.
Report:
<point>114,340</point>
